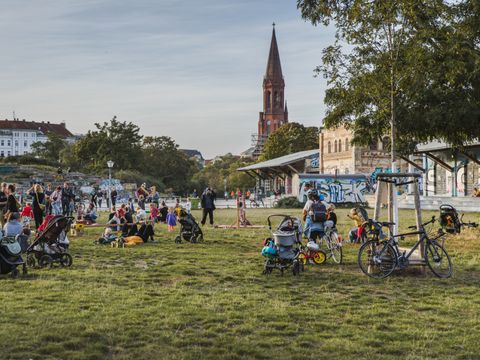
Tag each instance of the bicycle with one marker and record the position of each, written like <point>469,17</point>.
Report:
<point>378,258</point>
<point>331,242</point>
<point>306,254</point>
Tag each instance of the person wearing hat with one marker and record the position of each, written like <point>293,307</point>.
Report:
<point>208,205</point>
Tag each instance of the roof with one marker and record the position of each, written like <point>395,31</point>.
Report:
<point>44,127</point>
<point>438,145</point>
<point>192,153</point>
<point>283,160</point>
<point>274,68</point>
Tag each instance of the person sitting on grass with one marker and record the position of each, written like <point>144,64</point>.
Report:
<point>91,213</point>
<point>141,214</point>
<point>154,213</point>
<point>13,226</point>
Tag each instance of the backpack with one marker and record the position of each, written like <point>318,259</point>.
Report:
<point>319,212</point>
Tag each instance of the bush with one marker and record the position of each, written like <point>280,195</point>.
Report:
<point>131,176</point>
<point>290,202</point>
<point>28,160</point>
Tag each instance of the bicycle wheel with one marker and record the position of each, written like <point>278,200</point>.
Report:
<point>377,260</point>
<point>438,260</point>
<point>335,248</point>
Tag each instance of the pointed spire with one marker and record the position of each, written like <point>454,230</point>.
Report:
<point>274,68</point>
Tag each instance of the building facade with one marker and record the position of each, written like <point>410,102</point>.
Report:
<point>17,136</point>
<point>339,156</point>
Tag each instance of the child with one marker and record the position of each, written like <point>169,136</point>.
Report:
<point>27,215</point>
<point>188,206</point>
<point>171,219</point>
<point>141,214</point>
<point>360,216</point>
<point>154,213</point>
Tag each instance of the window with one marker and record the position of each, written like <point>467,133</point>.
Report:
<point>16,142</point>
<point>9,143</point>
<point>2,143</point>
<point>269,123</point>
<point>25,134</point>
<point>25,143</point>
<point>340,145</point>
<point>335,147</point>
<point>2,154</point>
<point>346,144</point>
<point>329,147</point>
<point>268,100</point>
<point>373,145</point>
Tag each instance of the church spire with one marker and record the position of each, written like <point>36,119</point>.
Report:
<point>274,68</point>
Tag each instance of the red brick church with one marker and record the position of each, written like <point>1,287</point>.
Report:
<point>275,112</point>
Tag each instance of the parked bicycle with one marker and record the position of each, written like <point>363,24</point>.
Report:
<point>331,243</point>
<point>378,257</point>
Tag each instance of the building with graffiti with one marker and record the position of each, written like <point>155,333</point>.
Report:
<point>340,189</point>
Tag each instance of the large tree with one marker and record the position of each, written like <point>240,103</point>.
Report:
<point>50,149</point>
<point>114,140</point>
<point>403,67</point>
<point>290,138</point>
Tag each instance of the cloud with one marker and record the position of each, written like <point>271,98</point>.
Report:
<point>188,69</point>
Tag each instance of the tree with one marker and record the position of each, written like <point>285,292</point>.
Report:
<point>117,141</point>
<point>161,159</point>
<point>50,149</point>
<point>409,67</point>
<point>290,138</point>
<point>224,172</point>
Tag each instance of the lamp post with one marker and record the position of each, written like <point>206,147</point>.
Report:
<point>110,166</point>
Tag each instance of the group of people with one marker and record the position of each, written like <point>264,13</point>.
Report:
<point>41,202</point>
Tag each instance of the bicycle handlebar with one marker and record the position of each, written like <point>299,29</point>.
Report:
<point>432,220</point>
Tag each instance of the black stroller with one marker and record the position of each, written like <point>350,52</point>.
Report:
<point>11,255</point>
<point>189,229</point>
<point>51,244</point>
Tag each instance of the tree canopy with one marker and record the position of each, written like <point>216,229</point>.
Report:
<point>290,138</point>
<point>414,65</point>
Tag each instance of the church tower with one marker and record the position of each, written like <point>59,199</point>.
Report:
<point>275,112</point>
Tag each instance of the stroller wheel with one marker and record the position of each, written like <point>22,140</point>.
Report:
<point>45,260</point>
<point>200,238</point>
<point>193,239</point>
<point>24,269</point>
<point>14,274</point>
<point>31,262</point>
<point>66,260</point>
<point>178,239</point>
<point>296,267</point>
<point>267,269</point>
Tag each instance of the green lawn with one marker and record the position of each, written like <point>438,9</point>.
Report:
<point>211,301</point>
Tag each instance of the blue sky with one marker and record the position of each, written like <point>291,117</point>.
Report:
<point>188,69</point>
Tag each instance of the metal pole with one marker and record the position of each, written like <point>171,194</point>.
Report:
<point>110,186</point>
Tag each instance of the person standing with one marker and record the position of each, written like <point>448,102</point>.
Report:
<point>99,198</point>
<point>48,201</point>
<point>113,196</point>
<point>208,205</point>
<point>94,198</point>
<point>3,203</point>
<point>56,201</point>
<point>38,203</point>
<point>67,195</point>
<point>12,203</point>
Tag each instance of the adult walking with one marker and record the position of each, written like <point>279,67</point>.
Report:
<point>12,203</point>
<point>208,205</point>
<point>38,203</point>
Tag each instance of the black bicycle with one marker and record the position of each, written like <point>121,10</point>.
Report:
<point>380,256</point>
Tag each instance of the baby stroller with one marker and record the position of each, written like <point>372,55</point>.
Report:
<point>189,229</point>
<point>11,255</point>
<point>283,248</point>
<point>450,221</point>
<point>51,243</point>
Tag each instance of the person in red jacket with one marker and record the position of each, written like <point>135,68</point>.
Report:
<point>27,214</point>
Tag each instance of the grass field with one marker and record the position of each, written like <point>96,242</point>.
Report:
<point>211,301</point>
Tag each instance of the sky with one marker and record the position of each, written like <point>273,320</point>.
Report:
<point>188,69</point>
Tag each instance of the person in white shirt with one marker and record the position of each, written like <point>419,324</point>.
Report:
<point>188,206</point>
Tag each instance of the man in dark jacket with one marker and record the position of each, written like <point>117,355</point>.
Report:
<point>67,196</point>
<point>208,205</point>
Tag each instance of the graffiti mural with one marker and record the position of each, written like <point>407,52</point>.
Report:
<point>339,189</point>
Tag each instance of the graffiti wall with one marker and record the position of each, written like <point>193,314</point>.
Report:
<point>336,189</point>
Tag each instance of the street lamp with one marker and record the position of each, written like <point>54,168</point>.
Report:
<point>110,166</point>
